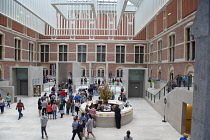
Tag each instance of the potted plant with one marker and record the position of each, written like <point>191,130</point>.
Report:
<point>105,93</point>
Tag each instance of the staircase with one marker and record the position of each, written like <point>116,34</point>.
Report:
<point>184,81</point>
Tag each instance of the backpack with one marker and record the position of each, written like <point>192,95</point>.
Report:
<point>79,128</point>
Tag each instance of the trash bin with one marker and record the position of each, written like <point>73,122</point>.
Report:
<point>15,99</point>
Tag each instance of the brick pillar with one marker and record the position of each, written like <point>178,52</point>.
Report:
<point>201,95</point>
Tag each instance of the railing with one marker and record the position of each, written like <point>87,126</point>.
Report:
<point>178,81</point>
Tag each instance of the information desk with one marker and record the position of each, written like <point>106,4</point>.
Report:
<point>107,119</point>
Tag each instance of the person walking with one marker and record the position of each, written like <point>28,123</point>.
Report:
<point>77,105</point>
<point>75,131</point>
<point>90,124</point>
<point>117,111</point>
<point>19,107</point>
<point>72,107</point>
<point>128,137</point>
<point>8,99</point>
<point>43,121</point>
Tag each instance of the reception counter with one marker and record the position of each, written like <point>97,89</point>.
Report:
<point>107,119</point>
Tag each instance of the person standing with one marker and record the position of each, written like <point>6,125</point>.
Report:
<point>185,136</point>
<point>49,111</point>
<point>54,109</point>
<point>68,105</point>
<point>2,105</point>
<point>75,129</point>
<point>117,111</point>
<point>61,109</point>
<point>44,106</point>
<point>20,106</point>
<point>43,121</point>
<point>39,106</point>
<point>8,99</point>
<point>128,137</point>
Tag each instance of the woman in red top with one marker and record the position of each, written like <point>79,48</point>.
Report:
<point>49,110</point>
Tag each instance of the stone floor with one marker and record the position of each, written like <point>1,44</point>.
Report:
<point>146,125</point>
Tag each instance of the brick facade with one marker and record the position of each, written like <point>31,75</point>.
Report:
<point>150,34</point>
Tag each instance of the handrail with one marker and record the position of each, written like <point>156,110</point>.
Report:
<point>175,82</point>
<point>4,90</point>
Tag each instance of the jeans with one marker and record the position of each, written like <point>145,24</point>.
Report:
<point>67,110</point>
<point>8,103</point>
<point>2,109</point>
<point>54,114</point>
<point>43,130</point>
<point>72,110</point>
<point>44,110</point>
<point>74,133</point>
<point>20,113</point>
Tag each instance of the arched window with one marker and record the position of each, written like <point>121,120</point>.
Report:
<point>83,72</point>
<point>119,73</point>
<point>100,72</point>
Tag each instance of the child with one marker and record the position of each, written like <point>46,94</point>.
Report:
<point>185,136</point>
<point>49,110</point>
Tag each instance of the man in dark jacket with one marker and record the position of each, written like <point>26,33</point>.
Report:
<point>117,111</point>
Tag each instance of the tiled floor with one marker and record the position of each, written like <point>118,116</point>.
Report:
<point>146,125</point>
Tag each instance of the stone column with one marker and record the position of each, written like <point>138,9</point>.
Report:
<point>201,95</point>
<point>107,73</point>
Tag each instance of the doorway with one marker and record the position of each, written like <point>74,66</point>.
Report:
<point>23,87</point>
<point>135,89</point>
<point>188,118</point>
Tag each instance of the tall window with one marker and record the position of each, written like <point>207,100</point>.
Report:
<point>120,54</point>
<point>62,52</point>
<point>139,54</point>
<point>31,51</point>
<point>17,49</point>
<point>151,53</point>
<point>44,53</point>
<point>190,43</point>
<point>81,53</point>
<point>100,72</point>
<point>119,73</point>
<point>160,51</point>
<point>172,48</point>
<point>1,46</point>
<point>101,53</point>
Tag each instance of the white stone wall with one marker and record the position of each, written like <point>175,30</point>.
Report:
<point>174,107</point>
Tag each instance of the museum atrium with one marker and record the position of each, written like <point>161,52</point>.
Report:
<point>145,45</point>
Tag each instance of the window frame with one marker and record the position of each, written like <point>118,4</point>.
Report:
<point>17,49</point>
<point>120,54</point>
<point>63,54</point>
<point>31,52</point>
<point>171,48</point>
<point>190,45</point>
<point>151,53</point>
<point>82,53</point>
<point>159,48</point>
<point>101,53</point>
<point>140,61</point>
<point>2,43</point>
<point>44,53</point>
